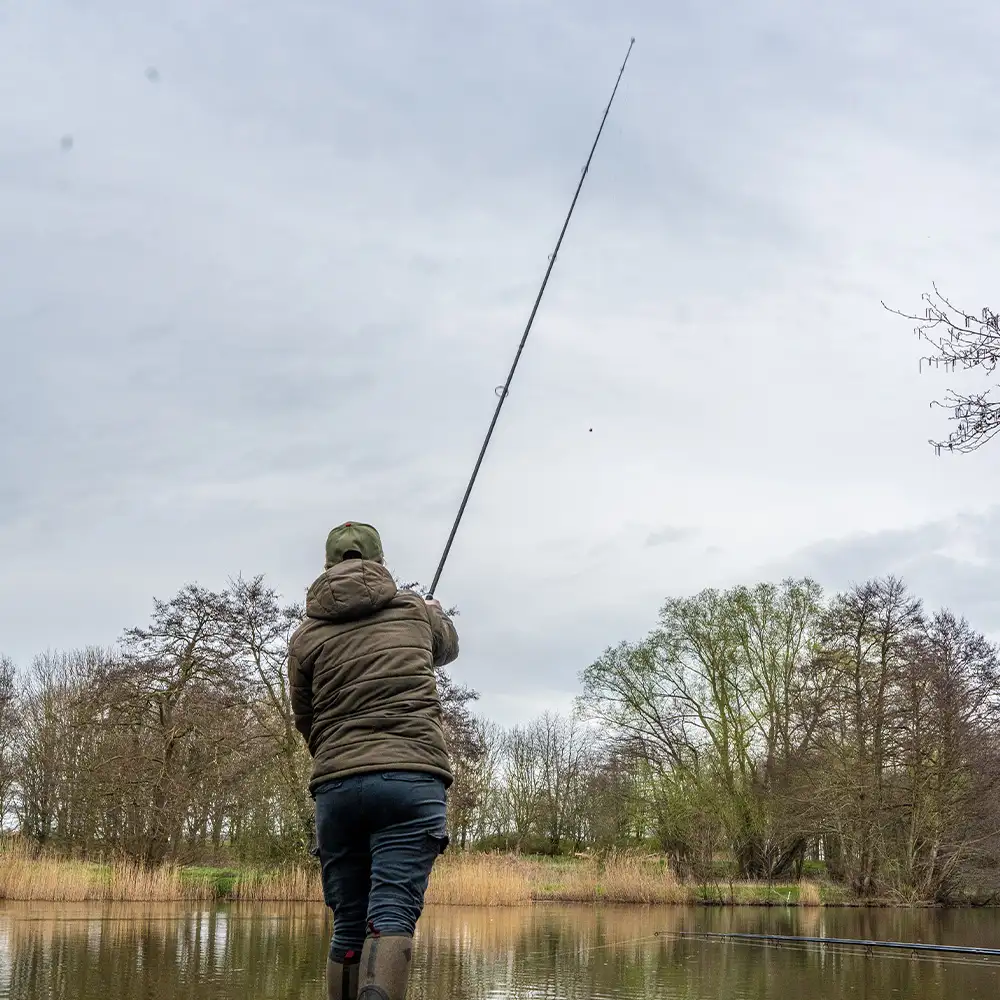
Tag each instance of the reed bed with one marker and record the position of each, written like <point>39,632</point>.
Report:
<point>621,878</point>
<point>458,879</point>
<point>23,877</point>
<point>481,880</point>
<point>281,885</point>
<point>512,880</point>
<point>809,894</point>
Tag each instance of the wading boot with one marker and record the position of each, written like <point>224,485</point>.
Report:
<point>342,978</point>
<point>385,967</point>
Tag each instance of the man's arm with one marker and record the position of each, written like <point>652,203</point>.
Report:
<point>300,689</point>
<point>445,638</point>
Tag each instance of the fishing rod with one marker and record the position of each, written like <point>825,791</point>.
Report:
<point>524,338</point>
<point>856,942</point>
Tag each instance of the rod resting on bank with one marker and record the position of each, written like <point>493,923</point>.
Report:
<point>856,942</point>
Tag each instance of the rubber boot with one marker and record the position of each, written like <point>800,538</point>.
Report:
<point>342,978</point>
<point>385,967</point>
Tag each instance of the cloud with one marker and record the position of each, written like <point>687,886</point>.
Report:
<point>952,562</point>
<point>667,536</point>
<point>278,288</point>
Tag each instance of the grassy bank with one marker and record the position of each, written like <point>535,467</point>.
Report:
<point>458,879</point>
<point>498,880</point>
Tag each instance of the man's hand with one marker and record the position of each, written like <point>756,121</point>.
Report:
<point>444,638</point>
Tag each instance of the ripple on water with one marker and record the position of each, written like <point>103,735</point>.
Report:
<point>253,951</point>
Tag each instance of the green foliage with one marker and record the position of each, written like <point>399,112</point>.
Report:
<point>769,724</point>
<point>716,703</point>
<point>222,880</point>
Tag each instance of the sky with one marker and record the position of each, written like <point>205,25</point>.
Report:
<point>262,267</point>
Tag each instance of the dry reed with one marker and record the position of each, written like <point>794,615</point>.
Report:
<point>479,880</point>
<point>23,877</point>
<point>621,878</point>
<point>284,885</point>
<point>630,879</point>
<point>809,894</point>
<point>458,879</point>
<point>509,880</point>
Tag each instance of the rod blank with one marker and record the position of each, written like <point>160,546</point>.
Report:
<point>524,338</point>
<point>857,942</point>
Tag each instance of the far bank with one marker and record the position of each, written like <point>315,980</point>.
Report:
<point>459,879</point>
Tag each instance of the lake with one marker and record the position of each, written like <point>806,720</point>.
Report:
<point>161,952</point>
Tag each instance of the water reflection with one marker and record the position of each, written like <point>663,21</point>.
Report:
<point>155,952</point>
<point>161,951</point>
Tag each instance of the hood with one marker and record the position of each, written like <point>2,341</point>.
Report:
<point>351,589</point>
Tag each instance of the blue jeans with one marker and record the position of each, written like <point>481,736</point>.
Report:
<point>379,836</point>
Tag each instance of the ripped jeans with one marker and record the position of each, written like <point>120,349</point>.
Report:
<point>379,836</point>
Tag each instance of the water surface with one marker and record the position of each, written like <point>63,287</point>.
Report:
<point>161,952</point>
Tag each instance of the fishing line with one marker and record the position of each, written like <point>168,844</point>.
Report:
<point>502,391</point>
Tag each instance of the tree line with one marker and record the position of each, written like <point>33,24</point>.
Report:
<point>177,743</point>
<point>773,723</point>
<point>757,728</point>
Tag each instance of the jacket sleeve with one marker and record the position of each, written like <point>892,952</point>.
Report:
<point>445,638</point>
<point>300,690</point>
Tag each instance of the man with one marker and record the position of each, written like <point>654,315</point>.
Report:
<point>364,695</point>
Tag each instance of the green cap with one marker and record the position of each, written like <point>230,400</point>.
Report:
<point>353,536</point>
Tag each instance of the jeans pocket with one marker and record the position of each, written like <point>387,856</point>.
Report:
<point>440,841</point>
<point>329,786</point>
<point>413,777</point>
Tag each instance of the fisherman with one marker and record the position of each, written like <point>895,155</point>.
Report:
<point>364,696</point>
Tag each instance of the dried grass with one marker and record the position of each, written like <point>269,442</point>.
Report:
<point>480,880</point>
<point>809,894</point>
<point>633,879</point>
<point>24,877</point>
<point>282,885</point>
<point>509,880</point>
<point>620,878</point>
<point>458,879</point>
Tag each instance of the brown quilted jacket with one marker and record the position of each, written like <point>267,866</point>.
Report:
<point>361,673</point>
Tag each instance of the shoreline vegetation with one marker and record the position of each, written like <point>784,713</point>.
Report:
<point>756,737</point>
<point>459,879</point>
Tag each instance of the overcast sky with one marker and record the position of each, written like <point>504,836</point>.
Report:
<point>273,285</point>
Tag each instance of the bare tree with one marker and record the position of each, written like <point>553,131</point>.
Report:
<point>949,773</point>
<point>561,749</point>
<point>58,749</point>
<point>9,724</point>
<point>522,784</point>
<point>869,632</point>
<point>258,628</point>
<point>180,743</point>
<point>476,764</point>
<point>970,342</point>
<point>614,798</point>
<point>169,671</point>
